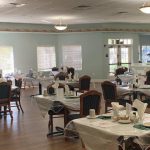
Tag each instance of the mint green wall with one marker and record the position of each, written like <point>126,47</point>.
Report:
<point>95,63</point>
<point>24,47</point>
<point>93,50</point>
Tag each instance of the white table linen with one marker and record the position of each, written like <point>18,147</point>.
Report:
<point>46,102</point>
<point>98,134</point>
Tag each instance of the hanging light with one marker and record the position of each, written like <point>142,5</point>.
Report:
<point>60,26</point>
<point>145,8</point>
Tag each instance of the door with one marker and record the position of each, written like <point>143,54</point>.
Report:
<point>119,55</point>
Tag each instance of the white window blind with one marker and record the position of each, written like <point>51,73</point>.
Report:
<point>46,58</point>
<point>72,56</point>
<point>6,60</point>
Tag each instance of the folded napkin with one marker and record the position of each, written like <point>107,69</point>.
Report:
<point>128,109</point>
<point>104,117</point>
<point>116,107</point>
<point>140,126</point>
<point>76,76</point>
<point>69,75</point>
<point>66,89</point>
<point>141,107</point>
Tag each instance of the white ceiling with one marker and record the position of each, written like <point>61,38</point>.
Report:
<point>72,11</point>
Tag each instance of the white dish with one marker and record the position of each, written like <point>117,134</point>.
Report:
<point>146,124</point>
<point>124,121</point>
<point>89,117</point>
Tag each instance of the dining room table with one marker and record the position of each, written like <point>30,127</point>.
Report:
<point>46,102</point>
<point>103,133</point>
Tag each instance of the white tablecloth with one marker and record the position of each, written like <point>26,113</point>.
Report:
<point>145,89</point>
<point>98,134</point>
<point>46,102</point>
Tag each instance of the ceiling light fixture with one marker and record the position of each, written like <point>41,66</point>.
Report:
<point>145,8</point>
<point>60,26</point>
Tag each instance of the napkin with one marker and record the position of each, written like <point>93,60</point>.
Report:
<point>116,107</point>
<point>69,75</point>
<point>128,109</point>
<point>141,107</point>
<point>76,76</point>
<point>66,89</point>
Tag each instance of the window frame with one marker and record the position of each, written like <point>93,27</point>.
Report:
<point>39,68</point>
<point>77,64</point>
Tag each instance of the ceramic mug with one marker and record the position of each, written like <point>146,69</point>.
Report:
<point>92,113</point>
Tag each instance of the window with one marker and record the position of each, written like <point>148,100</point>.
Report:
<point>72,56</point>
<point>145,53</point>
<point>119,53</point>
<point>6,60</point>
<point>46,58</point>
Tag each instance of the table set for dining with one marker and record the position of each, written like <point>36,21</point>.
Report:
<point>45,102</point>
<point>102,132</point>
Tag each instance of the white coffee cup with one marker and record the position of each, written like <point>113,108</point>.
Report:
<point>92,113</point>
<point>45,93</point>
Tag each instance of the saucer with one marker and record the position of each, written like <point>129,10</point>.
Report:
<point>146,124</point>
<point>89,117</point>
<point>124,121</point>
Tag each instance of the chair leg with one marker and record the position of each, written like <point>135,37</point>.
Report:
<point>105,108</point>
<point>10,112</point>
<point>20,106</point>
<point>50,123</point>
<point>17,105</point>
<point>5,110</point>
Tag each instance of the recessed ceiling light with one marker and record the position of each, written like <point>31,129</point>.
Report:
<point>82,7</point>
<point>18,4</point>
<point>122,12</point>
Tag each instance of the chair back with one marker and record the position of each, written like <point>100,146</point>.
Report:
<point>109,91</point>
<point>61,76</point>
<point>5,89</point>
<point>84,83</point>
<point>55,69</point>
<point>121,70</point>
<point>147,77</point>
<point>9,81</point>
<point>18,83</point>
<point>71,70</point>
<point>90,100</point>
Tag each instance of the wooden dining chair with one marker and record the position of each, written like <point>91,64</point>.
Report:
<point>15,97</point>
<point>56,111</point>
<point>61,76</point>
<point>84,84</point>
<point>120,71</point>
<point>5,93</point>
<point>72,71</point>
<point>88,100</point>
<point>147,77</point>
<point>110,95</point>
